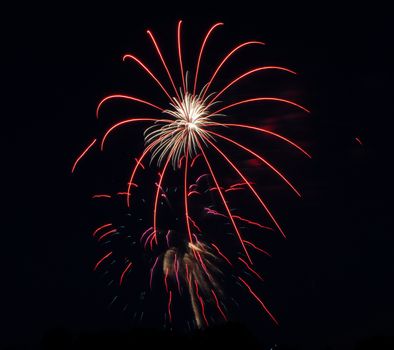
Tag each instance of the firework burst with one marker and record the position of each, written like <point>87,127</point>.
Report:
<point>179,136</point>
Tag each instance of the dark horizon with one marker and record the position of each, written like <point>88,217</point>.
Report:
<point>330,282</point>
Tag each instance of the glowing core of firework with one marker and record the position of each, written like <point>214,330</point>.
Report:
<point>180,136</point>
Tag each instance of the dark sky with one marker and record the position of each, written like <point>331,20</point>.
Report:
<point>330,282</point>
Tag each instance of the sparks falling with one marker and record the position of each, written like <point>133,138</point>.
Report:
<point>191,129</point>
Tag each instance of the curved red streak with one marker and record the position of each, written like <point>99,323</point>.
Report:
<point>101,260</point>
<point>185,197</point>
<point>250,269</point>
<point>150,237</point>
<point>215,189</point>
<point>359,141</point>
<point>271,133</point>
<point>151,241</point>
<point>201,303</point>
<point>218,305</point>
<point>151,272</point>
<point>231,189</point>
<point>107,234</point>
<point>124,193</point>
<point>199,258</point>
<point>203,310</point>
<point>100,228</point>
<point>224,203</point>
<point>157,194</point>
<point>260,158</point>
<point>195,225</point>
<point>259,301</point>
<point>176,268</point>
<point>144,153</point>
<point>180,161</point>
<point>252,223</point>
<point>257,248</point>
<point>214,212</point>
<point>239,184</point>
<point>257,99</point>
<point>194,160</point>
<point>149,72</point>
<point>169,306</point>
<point>101,196</point>
<point>221,254</point>
<point>161,188</point>
<point>163,61</point>
<point>200,54</point>
<point>82,154</point>
<point>167,238</point>
<point>146,241</point>
<point>249,73</point>
<point>124,272</point>
<point>145,233</point>
<point>226,58</point>
<point>193,192</point>
<point>196,286</point>
<point>126,97</point>
<point>142,165</point>
<point>180,54</point>
<point>201,177</point>
<point>165,279</point>
<point>249,185</point>
<point>123,122</point>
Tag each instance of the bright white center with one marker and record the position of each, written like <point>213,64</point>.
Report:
<point>185,133</point>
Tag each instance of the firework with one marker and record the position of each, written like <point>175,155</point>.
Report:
<point>190,130</point>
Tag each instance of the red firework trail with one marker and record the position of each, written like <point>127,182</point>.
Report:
<point>226,205</point>
<point>202,304</point>
<point>107,234</point>
<point>250,269</point>
<point>169,306</point>
<point>100,228</point>
<point>200,54</point>
<point>250,72</point>
<point>82,154</point>
<point>221,254</point>
<point>189,136</point>
<point>124,273</point>
<point>251,189</point>
<point>260,158</point>
<point>257,248</point>
<point>163,61</point>
<point>226,58</point>
<point>218,305</point>
<point>165,280</point>
<point>101,196</point>
<point>101,260</point>
<point>250,222</point>
<point>259,300</point>
<point>152,270</point>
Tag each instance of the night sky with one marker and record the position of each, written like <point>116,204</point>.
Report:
<point>329,283</point>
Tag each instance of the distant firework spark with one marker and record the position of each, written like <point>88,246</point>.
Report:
<point>181,139</point>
